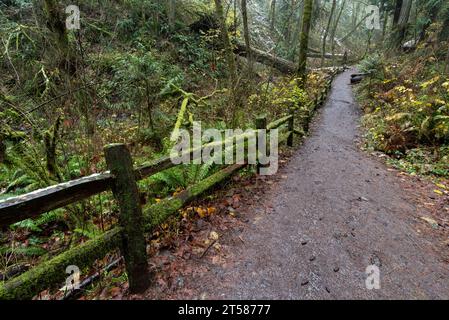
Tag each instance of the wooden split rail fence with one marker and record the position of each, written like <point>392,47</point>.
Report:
<point>134,221</point>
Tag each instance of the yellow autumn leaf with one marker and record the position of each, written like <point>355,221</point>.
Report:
<point>398,116</point>
<point>439,192</point>
<point>442,186</point>
<point>201,212</point>
<point>430,82</point>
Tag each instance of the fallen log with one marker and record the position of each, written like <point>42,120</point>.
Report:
<point>260,56</point>
<point>360,74</point>
<point>356,79</point>
<point>268,59</point>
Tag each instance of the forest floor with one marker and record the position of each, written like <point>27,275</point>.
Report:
<point>311,231</point>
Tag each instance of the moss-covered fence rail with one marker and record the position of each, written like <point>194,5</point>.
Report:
<point>134,221</point>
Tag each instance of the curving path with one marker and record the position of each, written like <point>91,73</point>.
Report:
<point>336,212</point>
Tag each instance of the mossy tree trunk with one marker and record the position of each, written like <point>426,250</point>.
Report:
<point>247,37</point>
<point>56,24</point>
<point>229,55</point>
<point>304,40</point>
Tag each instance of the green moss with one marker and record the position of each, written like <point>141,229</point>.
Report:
<point>156,214</point>
<point>30,283</point>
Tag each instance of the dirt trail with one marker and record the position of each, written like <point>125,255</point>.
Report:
<point>335,212</point>
<point>312,230</point>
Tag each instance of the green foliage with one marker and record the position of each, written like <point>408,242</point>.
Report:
<point>35,225</point>
<point>372,64</point>
<point>88,230</point>
<point>140,76</point>
<point>31,251</point>
<point>25,169</point>
<point>182,176</point>
<point>424,161</point>
<point>279,98</point>
<point>194,52</point>
<point>407,112</point>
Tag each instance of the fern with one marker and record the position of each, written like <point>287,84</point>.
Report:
<point>30,174</point>
<point>27,224</point>
<point>24,251</point>
<point>88,230</point>
<point>205,170</point>
<point>372,64</point>
<point>183,176</point>
<point>170,178</point>
<point>44,219</point>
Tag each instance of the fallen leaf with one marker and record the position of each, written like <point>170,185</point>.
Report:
<point>431,221</point>
<point>213,236</point>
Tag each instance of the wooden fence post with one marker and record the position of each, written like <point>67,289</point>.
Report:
<point>291,128</point>
<point>304,116</point>
<point>126,193</point>
<point>261,124</point>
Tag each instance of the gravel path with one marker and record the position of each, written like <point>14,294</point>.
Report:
<point>336,212</point>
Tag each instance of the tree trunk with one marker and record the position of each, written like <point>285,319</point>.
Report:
<point>297,31</point>
<point>2,150</point>
<point>171,13</point>
<point>247,37</point>
<point>355,13</point>
<point>334,30</point>
<point>51,140</point>
<point>384,25</point>
<point>229,55</point>
<point>56,25</point>
<point>268,59</point>
<point>326,32</point>
<point>273,14</point>
<point>403,21</point>
<point>397,12</point>
<point>304,40</point>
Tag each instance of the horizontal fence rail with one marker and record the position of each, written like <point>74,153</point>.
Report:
<point>51,272</point>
